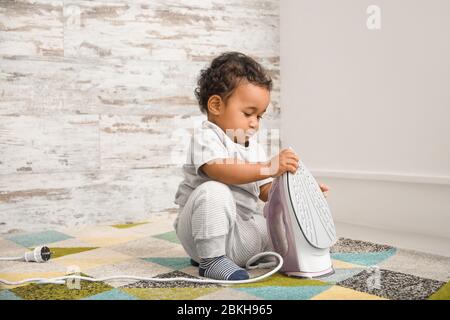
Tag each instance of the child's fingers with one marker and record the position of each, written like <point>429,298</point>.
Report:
<point>324,189</point>
<point>292,168</point>
<point>293,165</point>
<point>294,156</point>
<point>290,153</point>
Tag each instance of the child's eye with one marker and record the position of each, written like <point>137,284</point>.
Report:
<point>249,115</point>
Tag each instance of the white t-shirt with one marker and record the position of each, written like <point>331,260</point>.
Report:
<point>209,142</point>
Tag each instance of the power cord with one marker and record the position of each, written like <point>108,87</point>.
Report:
<point>42,254</point>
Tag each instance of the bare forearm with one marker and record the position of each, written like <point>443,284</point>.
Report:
<point>236,172</point>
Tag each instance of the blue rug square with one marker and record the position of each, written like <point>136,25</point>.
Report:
<point>364,258</point>
<point>285,293</point>
<point>38,238</point>
<point>8,295</point>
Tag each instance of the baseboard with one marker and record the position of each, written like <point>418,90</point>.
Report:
<point>383,176</point>
<point>402,240</point>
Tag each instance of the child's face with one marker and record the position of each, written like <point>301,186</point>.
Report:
<point>243,110</point>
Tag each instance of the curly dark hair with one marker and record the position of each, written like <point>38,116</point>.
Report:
<point>224,74</point>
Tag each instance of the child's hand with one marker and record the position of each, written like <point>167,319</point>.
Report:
<point>286,160</point>
<point>324,189</point>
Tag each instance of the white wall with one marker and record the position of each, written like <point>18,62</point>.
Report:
<point>368,112</point>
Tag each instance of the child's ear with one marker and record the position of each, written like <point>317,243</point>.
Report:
<point>214,104</point>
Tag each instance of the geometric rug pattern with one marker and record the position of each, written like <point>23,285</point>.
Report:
<point>363,270</point>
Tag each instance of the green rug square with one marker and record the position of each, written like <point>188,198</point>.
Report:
<point>50,291</point>
<point>169,236</point>
<point>175,263</point>
<point>442,294</point>
<point>280,280</point>
<point>169,293</point>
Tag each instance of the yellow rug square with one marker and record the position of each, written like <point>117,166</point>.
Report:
<point>341,293</point>
<point>104,236</point>
<point>92,258</point>
<point>339,264</point>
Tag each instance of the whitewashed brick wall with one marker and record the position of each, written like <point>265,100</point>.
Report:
<point>94,94</point>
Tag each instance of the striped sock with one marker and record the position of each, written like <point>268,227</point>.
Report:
<point>221,268</point>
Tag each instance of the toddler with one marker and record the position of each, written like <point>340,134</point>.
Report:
<point>226,171</point>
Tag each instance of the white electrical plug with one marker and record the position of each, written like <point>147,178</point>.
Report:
<point>39,254</point>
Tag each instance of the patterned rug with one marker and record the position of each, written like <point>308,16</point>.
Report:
<point>363,270</point>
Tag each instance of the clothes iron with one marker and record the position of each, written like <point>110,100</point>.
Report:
<point>300,224</point>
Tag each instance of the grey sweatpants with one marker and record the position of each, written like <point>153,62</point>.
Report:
<point>209,225</point>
